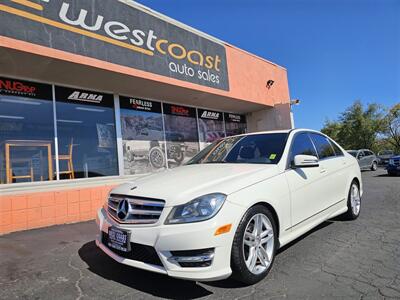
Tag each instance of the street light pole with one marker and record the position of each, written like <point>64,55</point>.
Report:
<point>293,103</point>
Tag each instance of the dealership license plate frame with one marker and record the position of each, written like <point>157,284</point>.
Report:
<point>118,244</point>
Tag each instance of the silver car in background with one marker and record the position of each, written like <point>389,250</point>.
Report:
<point>367,159</point>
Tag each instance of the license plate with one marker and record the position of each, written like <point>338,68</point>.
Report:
<point>118,239</point>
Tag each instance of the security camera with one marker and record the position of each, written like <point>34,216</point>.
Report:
<point>295,102</point>
<point>270,83</point>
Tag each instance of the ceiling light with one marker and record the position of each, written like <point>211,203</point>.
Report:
<point>29,102</point>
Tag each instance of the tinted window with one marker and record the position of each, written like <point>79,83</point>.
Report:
<point>338,152</point>
<point>87,144</point>
<point>301,145</point>
<point>368,153</point>
<point>323,146</point>
<point>255,148</point>
<point>26,132</point>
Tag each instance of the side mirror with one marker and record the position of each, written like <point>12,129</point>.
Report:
<point>305,161</point>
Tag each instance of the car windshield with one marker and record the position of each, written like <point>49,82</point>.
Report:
<point>386,152</point>
<point>354,153</point>
<point>266,148</point>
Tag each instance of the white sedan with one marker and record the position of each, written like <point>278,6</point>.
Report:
<point>227,211</point>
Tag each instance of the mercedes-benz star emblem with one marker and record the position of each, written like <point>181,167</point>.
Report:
<point>123,210</point>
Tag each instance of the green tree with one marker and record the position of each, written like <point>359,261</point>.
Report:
<point>358,126</point>
<point>392,127</point>
<point>332,129</point>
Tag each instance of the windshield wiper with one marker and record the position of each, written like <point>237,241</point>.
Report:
<point>215,162</point>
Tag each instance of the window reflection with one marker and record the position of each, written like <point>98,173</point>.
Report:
<point>235,124</point>
<point>86,134</point>
<point>26,132</point>
<point>181,134</point>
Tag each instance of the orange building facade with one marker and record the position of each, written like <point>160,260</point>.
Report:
<point>92,96</point>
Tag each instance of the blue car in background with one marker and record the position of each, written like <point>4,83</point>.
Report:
<point>393,167</point>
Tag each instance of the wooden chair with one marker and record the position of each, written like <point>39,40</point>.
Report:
<point>27,161</point>
<point>68,158</point>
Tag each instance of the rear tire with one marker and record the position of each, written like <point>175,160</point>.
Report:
<point>353,202</point>
<point>257,229</point>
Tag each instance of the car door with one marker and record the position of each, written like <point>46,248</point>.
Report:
<point>362,159</point>
<point>305,184</point>
<point>333,167</point>
<point>371,158</point>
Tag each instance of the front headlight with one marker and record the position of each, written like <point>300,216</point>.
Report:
<point>391,161</point>
<point>199,209</point>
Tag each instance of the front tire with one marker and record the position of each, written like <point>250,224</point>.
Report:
<point>353,202</point>
<point>374,166</point>
<point>254,245</point>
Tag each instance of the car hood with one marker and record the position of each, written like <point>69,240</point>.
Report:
<point>182,184</point>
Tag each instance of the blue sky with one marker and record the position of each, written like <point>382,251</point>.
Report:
<point>335,51</point>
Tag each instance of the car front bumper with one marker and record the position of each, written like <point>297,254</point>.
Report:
<point>178,237</point>
<point>393,169</point>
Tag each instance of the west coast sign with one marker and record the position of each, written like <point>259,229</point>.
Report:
<point>113,31</point>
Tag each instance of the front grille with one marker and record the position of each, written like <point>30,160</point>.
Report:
<point>139,252</point>
<point>141,210</point>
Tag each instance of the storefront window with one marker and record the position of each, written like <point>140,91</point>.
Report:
<point>142,136</point>
<point>235,124</point>
<point>181,134</point>
<point>86,134</point>
<point>211,126</point>
<point>26,131</point>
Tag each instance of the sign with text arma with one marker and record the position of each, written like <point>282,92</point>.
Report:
<point>78,96</point>
<point>117,32</point>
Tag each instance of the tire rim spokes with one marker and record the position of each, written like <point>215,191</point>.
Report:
<point>258,244</point>
<point>355,199</point>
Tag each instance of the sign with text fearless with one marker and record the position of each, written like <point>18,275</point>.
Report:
<point>116,32</point>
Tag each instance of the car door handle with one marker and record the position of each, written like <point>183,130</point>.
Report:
<point>322,170</point>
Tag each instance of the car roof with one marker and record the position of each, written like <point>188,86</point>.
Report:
<point>281,131</point>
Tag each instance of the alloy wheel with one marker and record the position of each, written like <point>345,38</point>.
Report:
<point>258,244</point>
<point>355,199</point>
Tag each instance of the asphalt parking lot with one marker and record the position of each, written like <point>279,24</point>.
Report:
<point>337,260</point>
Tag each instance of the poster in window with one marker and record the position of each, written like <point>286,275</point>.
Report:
<point>211,126</point>
<point>235,124</point>
<point>142,136</point>
<point>105,134</point>
<point>180,133</point>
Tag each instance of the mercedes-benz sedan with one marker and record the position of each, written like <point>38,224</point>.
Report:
<point>228,210</point>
